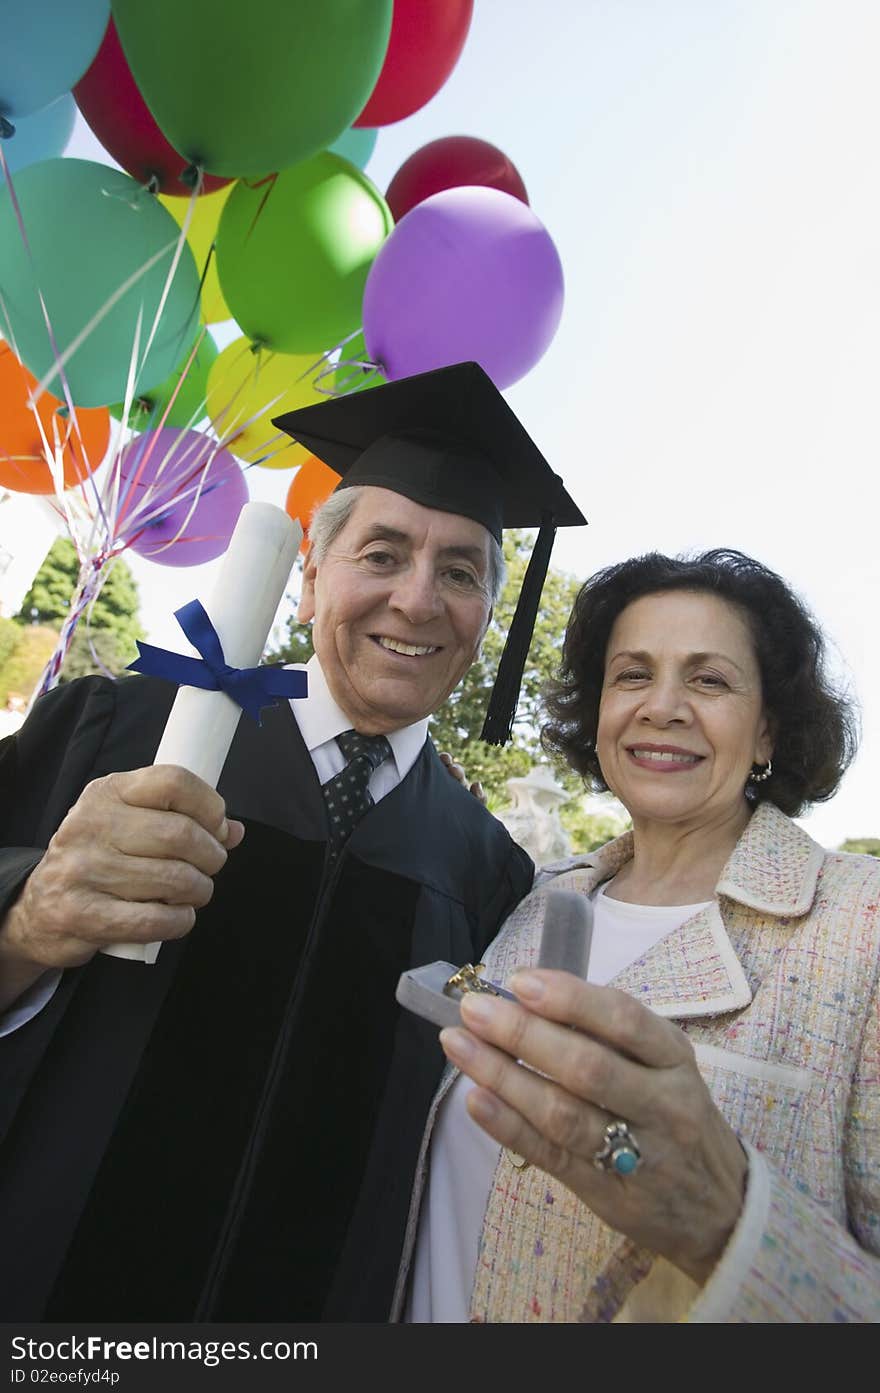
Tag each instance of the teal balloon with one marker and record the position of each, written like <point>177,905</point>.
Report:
<point>247,87</point>
<point>355,145</point>
<point>89,230</point>
<point>41,136</point>
<point>294,252</point>
<point>45,47</point>
<point>189,380</point>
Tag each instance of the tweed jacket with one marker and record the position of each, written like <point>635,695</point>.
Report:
<point>776,985</point>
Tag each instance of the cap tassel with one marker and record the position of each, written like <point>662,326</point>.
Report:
<point>501,711</point>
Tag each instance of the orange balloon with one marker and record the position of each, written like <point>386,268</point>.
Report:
<point>313,482</point>
<point>23,466</point>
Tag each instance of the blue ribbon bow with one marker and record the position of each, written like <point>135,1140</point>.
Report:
<point>251,687</point>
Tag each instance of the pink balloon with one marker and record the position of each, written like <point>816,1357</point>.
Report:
<point>470,274</point>
<point>177,487</point>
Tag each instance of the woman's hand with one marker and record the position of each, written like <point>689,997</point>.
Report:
<point>619,1062</point>
<point>458,773</point>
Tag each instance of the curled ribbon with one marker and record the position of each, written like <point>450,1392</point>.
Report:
<point>251,688</point>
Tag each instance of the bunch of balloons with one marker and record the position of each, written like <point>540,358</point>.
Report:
<point>241,132</point>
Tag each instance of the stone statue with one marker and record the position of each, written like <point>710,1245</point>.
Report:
<point>533,817</point>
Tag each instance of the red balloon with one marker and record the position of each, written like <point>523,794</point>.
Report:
<point>448,164</point>
<point>110,100</point>
<point>427,37</point>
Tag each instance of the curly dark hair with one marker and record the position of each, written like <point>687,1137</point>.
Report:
<point>815,728</point>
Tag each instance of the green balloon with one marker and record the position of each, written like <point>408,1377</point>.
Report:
<point>294,252</point>
<point>248,88</point>
<point>148,408</point>
<point>89,230</point>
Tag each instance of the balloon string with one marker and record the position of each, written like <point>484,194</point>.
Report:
<point>172,272</point>
<point>90,582</point>
<point>151,508</point>
<point>96,657</point>
<point>56,466</point>
<point>146,452</point>
<point>114,477</point>
<point>230,430</point>
<point>369,367</point>
<point>143,463</point>
<point>182,378</point>
<point>102,313</point>
<point>158,509</point>
<point>182,489</point>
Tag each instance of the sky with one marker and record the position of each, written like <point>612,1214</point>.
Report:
<point>708,172</point>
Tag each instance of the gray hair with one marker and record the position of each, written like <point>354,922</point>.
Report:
<point>330,517</point>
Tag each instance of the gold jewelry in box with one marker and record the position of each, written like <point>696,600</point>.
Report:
<point>467,979</point>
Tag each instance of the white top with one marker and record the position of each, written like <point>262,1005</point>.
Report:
<point>320,720</point>
<point>463,1158</point>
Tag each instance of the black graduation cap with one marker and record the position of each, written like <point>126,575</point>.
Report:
<point>447,439</point>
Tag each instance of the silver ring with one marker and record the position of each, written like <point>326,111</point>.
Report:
<point>619,1153</point>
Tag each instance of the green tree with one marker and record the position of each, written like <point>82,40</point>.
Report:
<point>115,610</point>
<point>866,846</point>
<point>10,636</point>
<point>104,639</point>
<point>96,650</point>
<point>21,668</point>
<point>456,726</point>
<point>589,830</point>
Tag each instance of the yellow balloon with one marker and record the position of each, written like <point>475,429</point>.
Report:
<point>201,234</point>
<point>247,386</point>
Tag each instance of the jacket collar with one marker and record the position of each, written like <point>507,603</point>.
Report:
<point>695,970</point>
<point>773,868</point>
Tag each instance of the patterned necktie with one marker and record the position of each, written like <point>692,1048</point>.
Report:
<point>346,795</point>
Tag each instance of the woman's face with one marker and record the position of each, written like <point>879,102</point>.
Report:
<point>681,716</point>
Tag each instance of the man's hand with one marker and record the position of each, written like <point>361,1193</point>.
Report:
<point>457,772</point>
<point>131,863</point>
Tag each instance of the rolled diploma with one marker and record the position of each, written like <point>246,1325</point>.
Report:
<point>243,604</point>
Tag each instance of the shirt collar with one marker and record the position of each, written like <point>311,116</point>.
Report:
<point>320,719</point>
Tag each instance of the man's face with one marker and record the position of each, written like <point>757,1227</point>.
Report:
<point>400,604</point>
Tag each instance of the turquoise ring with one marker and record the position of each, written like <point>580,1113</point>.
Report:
<point>619,1153</point>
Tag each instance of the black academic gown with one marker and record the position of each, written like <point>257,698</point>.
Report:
<point>231,1134</point>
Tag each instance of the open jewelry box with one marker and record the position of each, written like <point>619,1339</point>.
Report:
<point>435,990</point>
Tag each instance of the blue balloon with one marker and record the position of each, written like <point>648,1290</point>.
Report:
<point>41,136</point>
<point>45,47</point>
<point>355,145</point>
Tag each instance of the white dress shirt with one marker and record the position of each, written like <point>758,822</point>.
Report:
<point>320,720</point>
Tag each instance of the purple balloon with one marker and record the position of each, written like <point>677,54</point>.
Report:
<point>470,274</point>
<point>188,493</point>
